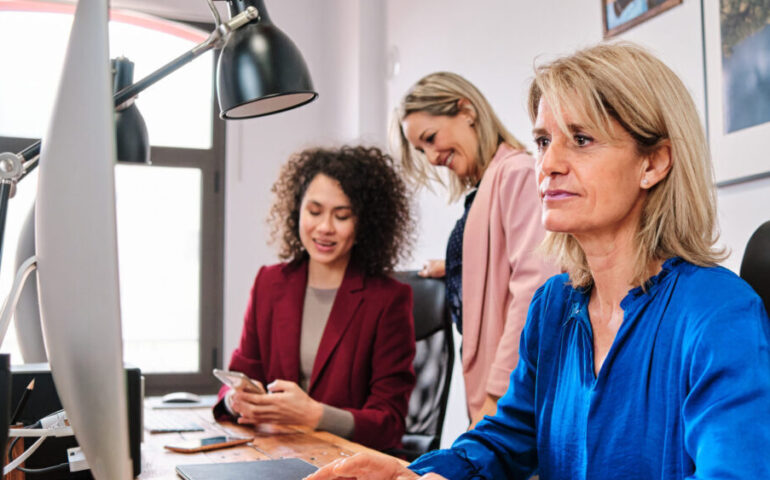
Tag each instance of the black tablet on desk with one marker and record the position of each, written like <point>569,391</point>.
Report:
<point>284,469</point>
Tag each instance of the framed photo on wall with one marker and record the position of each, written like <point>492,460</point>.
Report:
<point>737,43</point>
<point>620,15</point>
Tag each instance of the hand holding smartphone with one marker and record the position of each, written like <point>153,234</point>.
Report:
<point>238,380</point>
<point>203,444</point>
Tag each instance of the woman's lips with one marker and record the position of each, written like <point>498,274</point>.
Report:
<point>324,246</point>
<point>557,195</point>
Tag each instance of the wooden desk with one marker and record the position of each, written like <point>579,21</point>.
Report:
<point>270,442</point>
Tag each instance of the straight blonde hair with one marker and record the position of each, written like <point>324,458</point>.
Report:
<point>626,83</point>
<point>440,94</point>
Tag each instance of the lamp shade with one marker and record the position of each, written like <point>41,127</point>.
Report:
<point>131,140</point>
<point>260,70</point>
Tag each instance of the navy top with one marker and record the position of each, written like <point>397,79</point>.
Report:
<point>454,266</point>
<point>684,391</point>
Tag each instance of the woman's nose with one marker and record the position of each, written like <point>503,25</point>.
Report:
<point>432,155</point>
<point>327,224</point>
<point>553,160</point>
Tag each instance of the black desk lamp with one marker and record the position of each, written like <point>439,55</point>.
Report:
<point>260,71</point>
<point>132,143</point>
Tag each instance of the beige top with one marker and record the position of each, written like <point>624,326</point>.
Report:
<point>315,313</point>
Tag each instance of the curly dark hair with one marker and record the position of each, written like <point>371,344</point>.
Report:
<point>377,194</point>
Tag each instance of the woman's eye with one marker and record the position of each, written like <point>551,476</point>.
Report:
<point>430,138</point>
<point>343,217</point>
<point>542,142</point>
<point>582,140</point>
<point>314,213</point>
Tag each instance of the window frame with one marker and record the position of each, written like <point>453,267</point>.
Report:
<point>211,163</point>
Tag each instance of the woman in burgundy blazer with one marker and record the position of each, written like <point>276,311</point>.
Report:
<point>347,241</point>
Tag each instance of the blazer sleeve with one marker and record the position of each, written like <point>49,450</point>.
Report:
<point>380,423</point>
<point>520,216</point>
<point>246,357</point>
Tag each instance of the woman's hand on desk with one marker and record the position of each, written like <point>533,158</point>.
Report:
<point>368,466</point>
<point>285,404</point>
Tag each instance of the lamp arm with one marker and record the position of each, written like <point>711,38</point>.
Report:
<point>14,167</point>
<point>215,40</point>
<point>5,192</point>
<point>9,307</point>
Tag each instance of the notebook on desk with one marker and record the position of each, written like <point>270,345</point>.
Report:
<point>284,469</point>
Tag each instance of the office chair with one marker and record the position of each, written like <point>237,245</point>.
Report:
<point>755,266</point>
<point>433,364</point>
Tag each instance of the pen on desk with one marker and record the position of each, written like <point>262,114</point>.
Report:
<point>23,401</point>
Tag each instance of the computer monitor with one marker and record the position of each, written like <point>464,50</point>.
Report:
<point>76,246</point>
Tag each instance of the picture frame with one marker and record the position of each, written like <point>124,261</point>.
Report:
<point>621,15</point>
<point>736,53</point>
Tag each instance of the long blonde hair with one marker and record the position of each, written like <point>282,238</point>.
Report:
<point>440,93</point>
<point>624,82</point>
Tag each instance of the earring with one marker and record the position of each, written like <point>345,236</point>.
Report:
<point>645,182</point>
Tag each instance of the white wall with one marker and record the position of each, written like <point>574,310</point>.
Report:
<point>342,43</point>
<point>365,54</point>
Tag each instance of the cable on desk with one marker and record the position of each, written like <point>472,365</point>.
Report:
<point>34,471</point>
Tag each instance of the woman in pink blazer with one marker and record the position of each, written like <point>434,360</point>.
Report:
<point>491,267</point>
<point>328,333</point>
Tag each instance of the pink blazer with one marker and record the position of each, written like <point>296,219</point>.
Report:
<point>501,272</point>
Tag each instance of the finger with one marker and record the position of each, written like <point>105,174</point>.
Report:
<point>281,386</point>
<point>360,464</point>
<point>255,398</point>
<point>253,410</point>
<point>326,472</point>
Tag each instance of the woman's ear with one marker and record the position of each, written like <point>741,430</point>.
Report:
<point>657,165</point>
<point>467,110</point>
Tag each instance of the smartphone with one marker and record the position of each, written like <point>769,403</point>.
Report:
<point>235,379</point>
<point>203,444</point>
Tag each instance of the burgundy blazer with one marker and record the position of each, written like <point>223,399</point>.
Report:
<point>364,359</point>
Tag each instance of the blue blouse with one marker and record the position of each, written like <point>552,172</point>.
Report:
<point>684,391</point>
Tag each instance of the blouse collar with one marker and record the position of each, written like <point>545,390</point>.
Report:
<point>580,295</point>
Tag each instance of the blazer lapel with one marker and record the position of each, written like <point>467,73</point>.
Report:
<point>476,259</point>
<point>288,319</point>
<point>346,303</point>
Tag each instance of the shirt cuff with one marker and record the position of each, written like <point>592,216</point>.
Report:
<point>337,421</point>
<point>226,401</point>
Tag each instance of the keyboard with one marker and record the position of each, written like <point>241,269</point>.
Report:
<point>165,421</point>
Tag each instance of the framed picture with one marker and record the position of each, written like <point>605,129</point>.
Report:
<point>737,44</point>
<point>620,15</point>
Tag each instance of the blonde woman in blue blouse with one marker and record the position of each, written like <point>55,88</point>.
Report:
<point>645,360</point>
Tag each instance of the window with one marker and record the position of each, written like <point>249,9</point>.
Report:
<point>170,214</point>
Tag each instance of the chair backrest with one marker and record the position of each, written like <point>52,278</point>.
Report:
<point>755,266</point>
<point>433,364</point>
